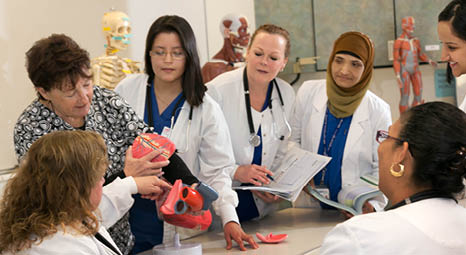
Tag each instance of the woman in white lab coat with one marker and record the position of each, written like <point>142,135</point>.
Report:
<point>257,105</point>
<point>339,117</point>
<point>55,203</point>
<point>422,162</point>
<point>452,34</point>
<point>170,96</point>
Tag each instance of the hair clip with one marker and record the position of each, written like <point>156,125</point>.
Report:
<point>461,151</point>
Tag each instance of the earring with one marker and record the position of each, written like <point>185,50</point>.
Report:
<point>399,173</point>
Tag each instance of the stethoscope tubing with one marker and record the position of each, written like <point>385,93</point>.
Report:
<point>254,139</point>
<point>172,119</point>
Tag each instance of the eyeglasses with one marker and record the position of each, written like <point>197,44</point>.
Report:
<point>382,135</point>
<point>176,54</point>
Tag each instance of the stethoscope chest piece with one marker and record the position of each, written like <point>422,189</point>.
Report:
<point>254,140</point>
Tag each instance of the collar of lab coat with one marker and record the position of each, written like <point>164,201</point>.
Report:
<point>360,118</point>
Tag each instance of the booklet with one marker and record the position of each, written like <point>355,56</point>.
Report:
<point>297,168</point>
<point>371,179</point>
<point>352,198</point>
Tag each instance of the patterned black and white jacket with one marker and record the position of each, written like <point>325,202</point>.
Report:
<point>110,116</point>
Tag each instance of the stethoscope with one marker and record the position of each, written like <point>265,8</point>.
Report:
<point>172,119</point>
<point>254,139</point>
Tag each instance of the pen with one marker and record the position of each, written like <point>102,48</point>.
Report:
<point>270,177</point>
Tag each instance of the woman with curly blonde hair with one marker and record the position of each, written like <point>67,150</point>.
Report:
<point>55,204</point>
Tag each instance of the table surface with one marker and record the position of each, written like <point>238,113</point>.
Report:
<point>306,229</point>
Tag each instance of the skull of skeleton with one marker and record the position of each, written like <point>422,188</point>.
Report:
<point>117,30</point>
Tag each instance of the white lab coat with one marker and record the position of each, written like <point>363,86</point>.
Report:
<point>360,153</point>
<point>227,89</point>
<point>116,201</point>
<point>431,226</point>
<point>463,105</point>
<point>209,156</point>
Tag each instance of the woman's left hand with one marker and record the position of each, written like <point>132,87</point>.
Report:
<point>366,208</point>
<point>233,231</point>
<point>267,197</point>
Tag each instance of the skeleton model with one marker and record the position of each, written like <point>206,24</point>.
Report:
<point>235,32</point>
<point>406,52</point>
<point>110,69</point>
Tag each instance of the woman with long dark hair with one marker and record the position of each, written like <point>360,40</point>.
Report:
<point>452,33</point>
<point>171,97</point>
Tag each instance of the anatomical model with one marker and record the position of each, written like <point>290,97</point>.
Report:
<point>110,69</point>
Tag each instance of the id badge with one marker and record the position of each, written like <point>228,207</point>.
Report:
<point>324,191</point>
<point>166,132</point>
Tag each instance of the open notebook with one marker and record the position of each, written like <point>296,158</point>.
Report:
<point>298,167</point>
<point>352,198</point>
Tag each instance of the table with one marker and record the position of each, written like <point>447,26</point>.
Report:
<point>306,229</point>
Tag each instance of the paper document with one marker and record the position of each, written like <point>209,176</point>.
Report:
<point>371,179</point>
<point>298,167</point>
<point>351,198</point>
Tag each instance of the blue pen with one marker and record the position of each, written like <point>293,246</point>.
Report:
<point>270,177</point>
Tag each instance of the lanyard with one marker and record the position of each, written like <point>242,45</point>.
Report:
<point>420,196</point>
<point>254,139</point>
<point>328,148</point>
<point>149,106</point>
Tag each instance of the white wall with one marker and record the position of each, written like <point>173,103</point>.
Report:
<point>144,12</point>
<point>22,22</point>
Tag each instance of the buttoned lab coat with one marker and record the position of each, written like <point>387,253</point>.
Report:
<point>360,153</point>
<point>209,156</point>
<point>116,201</point>
<point>431,226</point>
<point>227,89</point>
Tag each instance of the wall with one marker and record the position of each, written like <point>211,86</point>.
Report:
<point>295,17</point>
<point>22,22</point>
<point>144,12</point>
<point>203,15</point>
<point>304,42</point>
<point>315,24</point>
<point>384,85</point>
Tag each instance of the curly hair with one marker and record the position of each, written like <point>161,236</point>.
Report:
<point>52,189</point>
<point>273,30</point>
<point>437,141</point>
<point>56,61</point>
